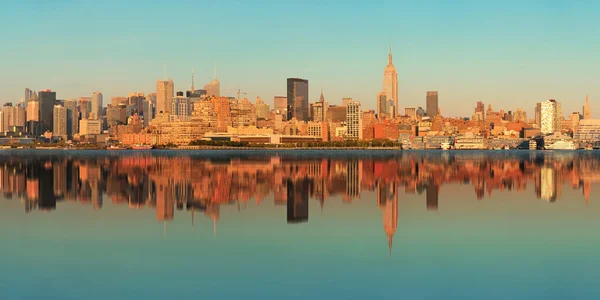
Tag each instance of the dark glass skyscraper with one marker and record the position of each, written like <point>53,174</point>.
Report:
<point>297,99</point>
<point>432,104</point>
<point>47,100</point>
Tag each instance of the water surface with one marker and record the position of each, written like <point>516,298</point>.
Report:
<point>299,225</point>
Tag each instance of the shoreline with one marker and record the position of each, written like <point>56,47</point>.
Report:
<point>208,148</point>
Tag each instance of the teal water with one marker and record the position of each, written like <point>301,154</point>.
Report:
<point>233,225</point>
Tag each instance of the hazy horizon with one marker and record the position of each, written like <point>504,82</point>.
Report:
<point>510,54</point>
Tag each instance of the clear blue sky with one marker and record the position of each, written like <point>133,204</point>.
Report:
<point>506,53</point>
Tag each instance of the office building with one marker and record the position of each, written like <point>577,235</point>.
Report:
<point>263,111</point>
<point>137,101</point>
<point>148,112</point>
<point>90,127</point>
<point>280,105</point>
<point>164,95</point>
<point>587,112</point>
<point>213,88</point>
<point>390,82</point>
<point>354,121</point>
<point>59,128</point>
<point>3,129</point>
<point>551,116</point>
<point>96,103</point>
<point>319,111</point>
<point>7,109</point>
<point>180,108</point>
<point>420,112</point>
<point>520,116</point>
<point>346,101</point>
<point>432,104</point>
<point>72,117</point>
<point>382,105</point>
<point>410,112</point>
<point>538,114</point>
<point>47,99</point>
<point>297,99</point>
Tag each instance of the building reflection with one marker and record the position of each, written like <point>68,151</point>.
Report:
<point>200,185</point>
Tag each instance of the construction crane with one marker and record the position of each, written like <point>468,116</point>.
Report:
<point>238,92</point>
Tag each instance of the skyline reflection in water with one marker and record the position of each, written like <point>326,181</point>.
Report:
<point>298,225</point>
<point>203,182</point>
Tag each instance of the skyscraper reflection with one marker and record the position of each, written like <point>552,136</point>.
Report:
<point>202,184</point>
<point>297,200</point>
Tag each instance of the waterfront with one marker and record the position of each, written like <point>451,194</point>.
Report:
<point>299,224</point>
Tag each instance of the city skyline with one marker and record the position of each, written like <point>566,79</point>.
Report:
<point>513,67</point>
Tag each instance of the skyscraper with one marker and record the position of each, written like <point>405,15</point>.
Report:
<point>96,112</point>
<point>432,104</point>
<point>390,82</point>
<point>382,106</point>
<point>354,121</point>
<point>551,116</point>
<point>587,112</point>
<point>164,95</point>
<point>59,127</point>
<point>280,106</point>
<point>297,99</point>
<point>8,115</point>
<point>148,114</point>
<point>72,117</point>
<point>47,100</point>
<point>538,114</point>
<point>213,88</point>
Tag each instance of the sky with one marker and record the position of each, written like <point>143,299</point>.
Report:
<point>510,54</point>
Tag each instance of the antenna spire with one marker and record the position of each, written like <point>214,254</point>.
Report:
<point>193,88</point>
<point>165,72</point>
<point>215,71</point>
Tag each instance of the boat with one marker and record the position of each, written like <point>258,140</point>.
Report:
<point>141,147</point>
<point>532,145</point>
<point>562,145</point>
<point>588,147</point>
<point>445,146</point>
<point>506,147</point>
<point>113,147</point>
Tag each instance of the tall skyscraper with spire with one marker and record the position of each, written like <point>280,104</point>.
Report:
<point>390,82</point>
<point>587,113</point>
<point>213,88</point>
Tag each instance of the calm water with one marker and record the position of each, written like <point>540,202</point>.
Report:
<point>308,225</point>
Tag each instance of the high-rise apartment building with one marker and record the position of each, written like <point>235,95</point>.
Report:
<point>354,121</point>
<point>96,102</point>
<point>390,82</point>
<point>297,99</point>
<point>59,128</point>
<point>587,112</point>
<point>432,104</point>
<point>47,100</point>
<point>2,128</point>
<point>551,116</point>
<point>164,95</point>
<point>382,105</point>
